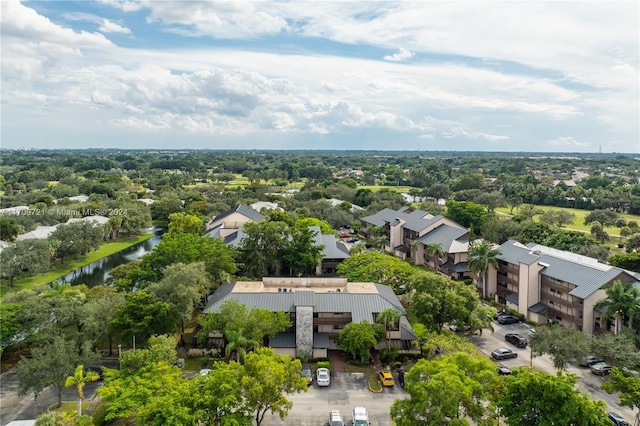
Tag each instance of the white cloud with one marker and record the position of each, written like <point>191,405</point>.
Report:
<point>567,141</point>
<point>400,56</point>
<point>105,25</point>
<point>111,27</point>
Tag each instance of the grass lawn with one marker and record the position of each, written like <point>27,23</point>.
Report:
<point>578,223</point>
<point>58,271</point>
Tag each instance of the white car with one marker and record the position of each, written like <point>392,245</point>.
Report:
<point>323,377</point>
<point>335,419</point>
<point>360,416</point>
<point>204,372</point>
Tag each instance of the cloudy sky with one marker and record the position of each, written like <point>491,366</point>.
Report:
<point>426,75</point>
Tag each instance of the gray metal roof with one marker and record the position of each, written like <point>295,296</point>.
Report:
<point>406,332</point>
<point>414,220</point>
<point>246,211</point>
<point>446,235</point>
<point>331,248</point>
<point>586,274</point>
<point>214,232</point>
<point>457,267</point>
<point>537,308</point>
<point>513,298</point>
<point>320,340</point>
<point>283,340</point>
<point>360,305</point>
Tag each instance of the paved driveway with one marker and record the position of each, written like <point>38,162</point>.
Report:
<point>347,390</point>
<point>587,381</point>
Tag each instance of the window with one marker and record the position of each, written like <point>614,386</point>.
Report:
<point>315,315</point>
<point>338,326</point>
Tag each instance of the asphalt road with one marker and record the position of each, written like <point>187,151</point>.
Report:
<point>25,407</point>
<point>587,381</point>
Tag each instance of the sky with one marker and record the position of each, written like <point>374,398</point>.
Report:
<point>531,76</point>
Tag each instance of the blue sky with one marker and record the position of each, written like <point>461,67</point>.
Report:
<point>427,75</point>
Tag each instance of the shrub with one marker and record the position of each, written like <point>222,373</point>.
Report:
<point>388,356</point>
<point>324,364</point>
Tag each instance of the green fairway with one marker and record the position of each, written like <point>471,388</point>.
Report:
<point>578,223</point>
<point>58,271</point>
<point>404,189</point>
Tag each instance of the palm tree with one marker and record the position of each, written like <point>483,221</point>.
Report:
<point>388,317</point>
<point>482,255</point>
<point>237,341</point>
<point>79,379</point>
<point>623,301</point>
<point>436,251</point>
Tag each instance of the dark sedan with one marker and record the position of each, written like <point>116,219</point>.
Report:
<point>590,360</point>
<point>503,353</point>
<point>508,319</point>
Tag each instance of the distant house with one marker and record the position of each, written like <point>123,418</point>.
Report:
<point>318,308</point>
<point>228,222</point>
<point>336,202</point>
<point>95,220</point>
<point>40,233</point>
<point>147,201</point>
<point>550,285</point>
<point>258,206</point>
<point>409,231</point>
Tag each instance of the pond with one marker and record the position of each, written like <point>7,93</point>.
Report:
<point>97,272</point>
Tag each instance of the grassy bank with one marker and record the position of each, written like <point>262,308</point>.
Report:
<point>58,270</point>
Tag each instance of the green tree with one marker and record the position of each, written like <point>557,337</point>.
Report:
<point>219,259</point>
<point>96,315</point>
<point>389,317</point>
<point>306,222</point>
<point>533,397</point>
<point>630,261</point>
<point>142,315</point>
<point>482,255</point>
<point>157,394</point>
<point>165,206</point>
<point>628,388</point>
<point>536,232</point>
<point>301,253</point>
<point>565,345</point>
<point>238,342</point>
<point>358,339</point>
<point>267,379</point>
<point>619,349</point>
<point>622,302</point>
<point>79,379</point>
<point>447,391</point>
<point>75,239</point>
<point>467,213</point>
<point>160,349</point>
<point>262,248</point>
<point>27,257</point>
<point>439,300</point>
<point>184,223</point>
<point>52,364</point>
<point>572,241</point>
<point>9,228</point>
<point>436,251</point>
<point>182,287</point>
<point>603,216</point>
<point>379,268</point>
<point>557,218</point>
<point>219,401</point>
<point>633,243</point>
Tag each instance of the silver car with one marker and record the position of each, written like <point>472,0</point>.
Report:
<point>323,377</point>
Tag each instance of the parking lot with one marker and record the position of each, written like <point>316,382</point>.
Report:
<point>347,390</point>
<point>587,381</point>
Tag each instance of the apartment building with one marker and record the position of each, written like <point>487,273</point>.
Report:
<point>318,308</point>
<point>549,285</point>
<point>408,232</point>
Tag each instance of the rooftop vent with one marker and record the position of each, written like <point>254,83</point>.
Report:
<point>337,290</point>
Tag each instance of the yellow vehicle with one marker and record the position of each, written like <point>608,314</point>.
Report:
<point>386,378</point>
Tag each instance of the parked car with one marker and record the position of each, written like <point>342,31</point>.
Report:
<point>323,377</point>
<point>352,240</point>
<point>503,353</point>
<point>335,419</point>
<point>360,416</point>
<point>618,420</point>
<point>531,332</point>
<point>386,378</point>
<point>630,373</point>
<point>503,371</point>
<point>508,319</point>
<point>499,314</point>
<point>590,360</point>
<point>343,235</point>
<point>516,340</point>
<point>204,372</point>
<point>601,368</point>
<point>306,373</point>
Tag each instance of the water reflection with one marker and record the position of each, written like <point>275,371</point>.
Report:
<point>97,272</point>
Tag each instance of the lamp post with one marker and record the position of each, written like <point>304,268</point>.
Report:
<point>119,356</point>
